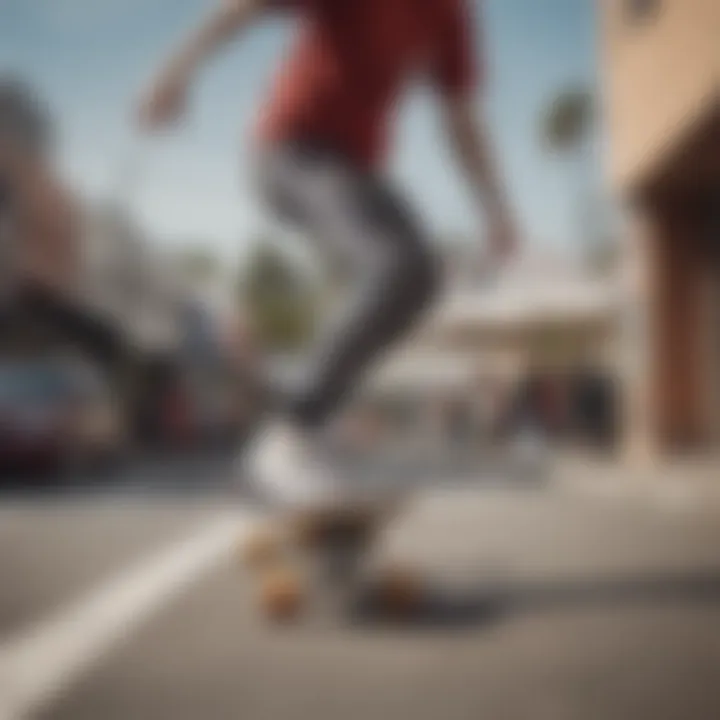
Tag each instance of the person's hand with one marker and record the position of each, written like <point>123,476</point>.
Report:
<point>164,103</point>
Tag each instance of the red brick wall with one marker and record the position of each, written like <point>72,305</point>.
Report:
<point>680,384</point>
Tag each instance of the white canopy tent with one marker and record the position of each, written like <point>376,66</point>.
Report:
<point>525,306</point>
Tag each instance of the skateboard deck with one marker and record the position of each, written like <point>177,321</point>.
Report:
<point>307,562</point>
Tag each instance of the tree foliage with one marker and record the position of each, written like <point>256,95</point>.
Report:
<point>568,120</point>
<point>198,264</point>
<point>25,118</point>
<point>278,299</point>
<point>567,127</point>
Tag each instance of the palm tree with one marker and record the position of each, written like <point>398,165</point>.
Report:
<point>569,120</point>
<point>567,129</point>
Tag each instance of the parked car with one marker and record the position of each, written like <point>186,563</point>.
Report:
<point>57,416</point>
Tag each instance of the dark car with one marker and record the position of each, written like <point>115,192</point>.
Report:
<point>56,417</point>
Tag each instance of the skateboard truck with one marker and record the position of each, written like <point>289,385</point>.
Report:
<point>325,555</point>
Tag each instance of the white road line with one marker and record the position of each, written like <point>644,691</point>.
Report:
<point>56,652</point>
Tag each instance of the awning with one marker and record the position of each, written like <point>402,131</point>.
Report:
<point>524,307</point>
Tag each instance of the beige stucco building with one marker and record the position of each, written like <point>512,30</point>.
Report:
<point>661,73</point>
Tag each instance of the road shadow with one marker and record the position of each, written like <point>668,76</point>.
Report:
<point>190,472</point>
<point>448,609</point>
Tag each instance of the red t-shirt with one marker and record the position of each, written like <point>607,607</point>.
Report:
<point>349,64</point>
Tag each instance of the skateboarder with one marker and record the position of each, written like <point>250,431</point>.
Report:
<point>321,141</point>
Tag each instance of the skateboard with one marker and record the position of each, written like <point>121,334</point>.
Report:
<point>307,562</point>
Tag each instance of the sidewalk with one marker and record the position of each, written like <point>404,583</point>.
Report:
<point>681,480</point>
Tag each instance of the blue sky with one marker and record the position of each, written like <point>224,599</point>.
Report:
<point>90,58</point>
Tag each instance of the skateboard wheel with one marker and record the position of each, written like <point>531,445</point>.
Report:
<point>262,547</point>
<point>399,591</point>
<point>282,594</point>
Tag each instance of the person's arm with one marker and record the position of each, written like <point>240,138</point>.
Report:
<point>220,26</point>
<point>456,72</point>
<point>472,146</point>
<point>164,103</point>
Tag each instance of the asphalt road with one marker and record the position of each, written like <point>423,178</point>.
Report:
<point>124,600</point>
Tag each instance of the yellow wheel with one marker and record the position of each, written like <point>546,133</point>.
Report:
<point>282,594</point>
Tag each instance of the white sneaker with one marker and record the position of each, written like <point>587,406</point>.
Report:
<point>283,468</point>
